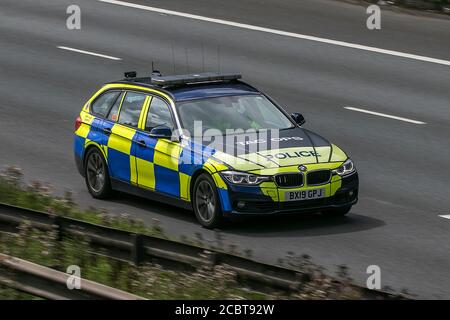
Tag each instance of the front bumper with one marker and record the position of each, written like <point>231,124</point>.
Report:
<point>346,195</point>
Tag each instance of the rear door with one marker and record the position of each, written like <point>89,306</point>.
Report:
<point>121,128</point>
<point>99,109</point>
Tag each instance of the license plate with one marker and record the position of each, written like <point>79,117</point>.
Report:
<point>304,194</point>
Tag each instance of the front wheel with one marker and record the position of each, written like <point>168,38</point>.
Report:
<point>206,202</point>
<point>337,212</point>
<point>97,176</point>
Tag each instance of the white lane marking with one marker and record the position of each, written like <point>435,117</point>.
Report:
<point>89,53</point>
<point>445,216</point>
<point>385,115</point>
<point>279,32</point>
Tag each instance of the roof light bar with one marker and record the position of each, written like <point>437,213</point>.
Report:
<point>130,74</point>
<point>194,78</point>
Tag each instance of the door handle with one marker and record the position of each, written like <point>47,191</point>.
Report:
<point>141,143</point>
<point>107,130</point>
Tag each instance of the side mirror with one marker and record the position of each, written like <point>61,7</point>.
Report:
<point>298,118</point>
<point>161,132</point>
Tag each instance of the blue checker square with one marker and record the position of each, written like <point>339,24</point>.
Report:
<point>167,181</point>
<point>119,164</point>
<point>201,150</point>
<point>146,153</point>
<point>189,162</point>
<point>224,200</point>
<point>95,134</point>
<point>246,189</point>
<point>79,145</point>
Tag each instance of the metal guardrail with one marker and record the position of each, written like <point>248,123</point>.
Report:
<point>138,248</point>
<point>50,284</point>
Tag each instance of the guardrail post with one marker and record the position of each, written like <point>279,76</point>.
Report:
<point>137,248</point>
<point>210,258</point>
<point>57,223</point>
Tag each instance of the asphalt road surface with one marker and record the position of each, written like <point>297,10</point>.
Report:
<point>403,162</point>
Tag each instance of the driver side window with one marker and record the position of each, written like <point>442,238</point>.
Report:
<point>158,115</point>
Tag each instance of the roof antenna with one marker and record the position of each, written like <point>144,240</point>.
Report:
<point>155,73</point>
<point>218,58</point>
<point>187,58</point>
<point>173,57</point>
<point>203,57</point>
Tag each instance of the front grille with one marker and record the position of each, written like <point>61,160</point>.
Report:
<point>289,180</point>
<point>318,177</point>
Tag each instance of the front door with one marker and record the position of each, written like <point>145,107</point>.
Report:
<point>157,159</point>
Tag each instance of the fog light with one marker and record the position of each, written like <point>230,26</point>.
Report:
<point>350,193</point>
<point>241,204</point>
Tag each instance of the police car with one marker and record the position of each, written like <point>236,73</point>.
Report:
<point>211,143</point>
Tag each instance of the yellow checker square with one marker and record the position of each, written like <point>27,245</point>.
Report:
<point>133,170</point>
<point>146,173</point>
<point>335,186</point>
<point>87,118</point>
<point>167,154</point>
<point>213,165</point>
<point>83,130</point>
<point>121,138</point>
<point>209,167</point>
<point>338,154</point>
<point>185,181</point>
<point>105,152</point>
<point>324,153</point>
<point>271,192</point>
<point>219,181</point>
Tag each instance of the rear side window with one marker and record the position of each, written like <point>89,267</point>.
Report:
<point>114,112</point>
<point>131,109</point>
<point>102,104</point>
<point>158,115</point>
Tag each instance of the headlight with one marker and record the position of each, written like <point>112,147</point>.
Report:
<point>237,177</point>
<point>347,168</point>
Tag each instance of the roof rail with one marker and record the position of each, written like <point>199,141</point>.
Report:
<point>193,78</point>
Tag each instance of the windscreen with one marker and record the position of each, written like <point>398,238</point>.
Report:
<point>231,113</point>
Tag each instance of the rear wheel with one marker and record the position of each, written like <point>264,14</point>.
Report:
<point>337,212</point>
<point>206,202</point>
<point>96,175</point>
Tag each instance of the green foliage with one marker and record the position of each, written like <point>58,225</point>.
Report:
<point>150,281</point>
<point>38,196</point>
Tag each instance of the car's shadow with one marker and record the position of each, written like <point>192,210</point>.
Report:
<point>303,225</point>
<point>151,206</point>
<point>286,225</point>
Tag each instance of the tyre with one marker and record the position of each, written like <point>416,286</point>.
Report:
<point>337,212</point>
<point>206,203</point>
<point>97,175</point>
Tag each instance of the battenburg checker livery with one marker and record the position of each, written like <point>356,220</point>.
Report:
<point>211,143</point>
